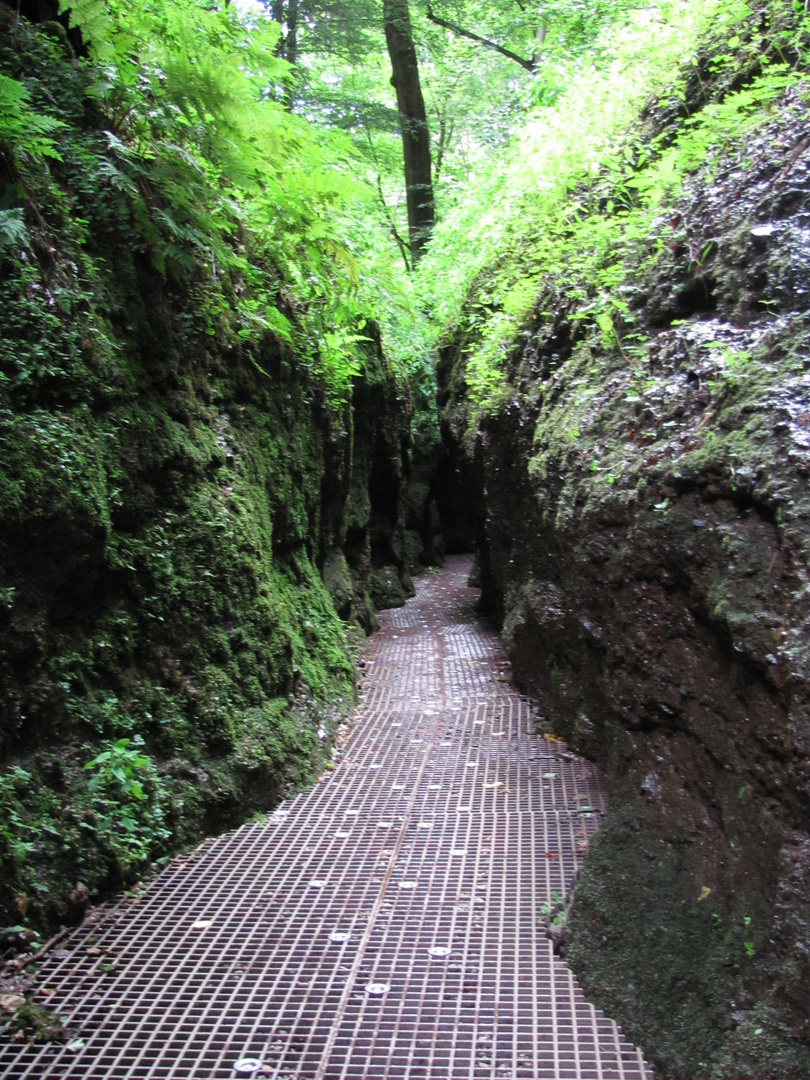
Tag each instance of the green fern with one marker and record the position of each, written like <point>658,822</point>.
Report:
<point>214,180</point>
<point>13,233</point>
<point>23,130</point>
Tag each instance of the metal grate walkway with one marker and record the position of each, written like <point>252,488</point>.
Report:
<point>383,924</point>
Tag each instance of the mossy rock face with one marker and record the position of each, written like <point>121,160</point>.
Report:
<point>338,581</point>
<point>704,988</point>
<point>188,530</point>
<point>349,595</point>
<point>158,577</point>
<point>388,589</point>
<point>644,530</point>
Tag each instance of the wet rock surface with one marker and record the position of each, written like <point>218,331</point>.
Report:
<point>188,508</point>
<point>251,525</point>
<point>645,529</point>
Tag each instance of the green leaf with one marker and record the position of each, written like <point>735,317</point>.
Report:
<point>22,129</point>
<point>13,232</point>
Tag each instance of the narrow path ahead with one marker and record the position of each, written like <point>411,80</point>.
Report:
<point>383,924</point>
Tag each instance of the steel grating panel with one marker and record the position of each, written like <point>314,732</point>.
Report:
<point>383,924</point>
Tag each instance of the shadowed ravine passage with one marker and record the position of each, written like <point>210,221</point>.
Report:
<point>385,923</point>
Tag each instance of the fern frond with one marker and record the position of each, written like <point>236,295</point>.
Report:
<point>23,130</point>
<point>13,233</point>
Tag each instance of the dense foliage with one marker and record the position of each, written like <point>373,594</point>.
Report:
<point>570,207</point>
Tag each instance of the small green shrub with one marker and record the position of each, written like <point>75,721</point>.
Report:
<point>130,801</point>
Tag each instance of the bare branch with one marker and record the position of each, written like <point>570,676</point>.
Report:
<point>446,129</point>
<point>527,64</point>
<point>392,228</point>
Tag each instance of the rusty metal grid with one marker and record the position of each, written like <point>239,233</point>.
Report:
<point>383,924</point>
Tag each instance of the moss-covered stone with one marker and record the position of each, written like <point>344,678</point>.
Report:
<point>189,524</point>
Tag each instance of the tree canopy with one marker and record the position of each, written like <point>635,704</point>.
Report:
<point>475,66</point>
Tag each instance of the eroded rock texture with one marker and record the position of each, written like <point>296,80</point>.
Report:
<point>646,536</point>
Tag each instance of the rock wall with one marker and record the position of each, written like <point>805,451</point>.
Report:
<point>193,535</point>
<point>176,564</point>
<point>645,541</point>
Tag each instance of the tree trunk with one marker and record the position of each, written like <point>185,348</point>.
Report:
<point>286,14</point>
<point>413,121</point>
<point>291,39</point>
<point>291,50</point>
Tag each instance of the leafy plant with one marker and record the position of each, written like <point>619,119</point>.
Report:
<point>13,233</point>
<point>555,909</point>
<point>130,800</point>
<point>23,130</point>
<point>28,814</point>
<point>577,205</point>
<point>36,1023</point>
<point>222,188</point>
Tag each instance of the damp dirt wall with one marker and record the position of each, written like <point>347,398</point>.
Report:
<point>644,532</point>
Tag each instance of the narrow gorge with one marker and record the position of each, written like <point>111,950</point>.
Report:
<point>233,429</point>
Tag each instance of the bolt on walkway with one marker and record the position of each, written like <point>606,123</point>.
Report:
<point>385,923</point>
